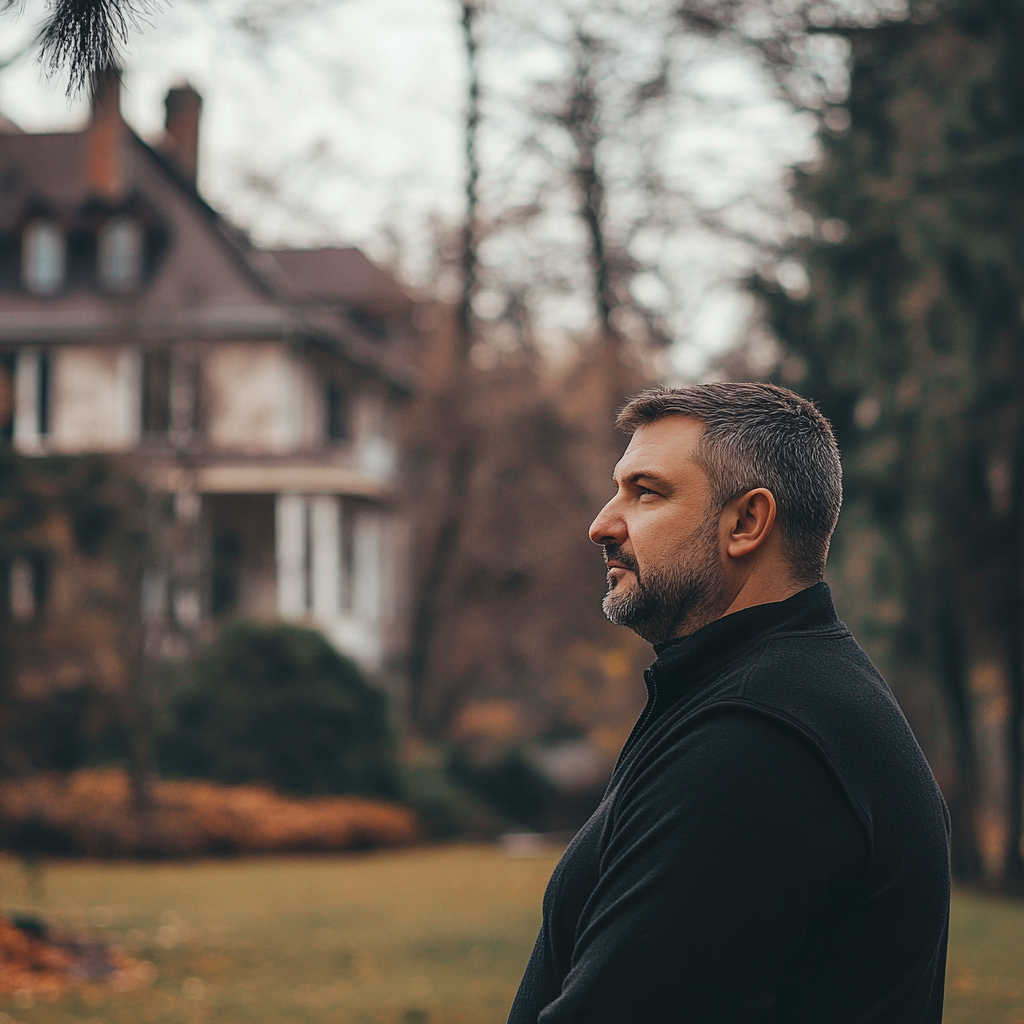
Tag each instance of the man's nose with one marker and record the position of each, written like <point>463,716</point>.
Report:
<point>608,527</point>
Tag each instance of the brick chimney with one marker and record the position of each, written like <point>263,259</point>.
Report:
<point>181,144</point>
<point>105,136</point>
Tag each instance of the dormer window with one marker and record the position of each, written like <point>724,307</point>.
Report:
<point>43,258</point>
<point>120,255</point>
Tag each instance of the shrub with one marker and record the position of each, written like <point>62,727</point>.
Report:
<point>278,705</point>
<point>90,813</point>
<point>506,781</point>
<point>444,808</point>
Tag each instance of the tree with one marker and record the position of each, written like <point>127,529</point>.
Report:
<point>910,336</point>
<point>454,453</point>
<point>501,476</point>
<point>85,37</point>
<point>588,146</point>
<point>74,542</point>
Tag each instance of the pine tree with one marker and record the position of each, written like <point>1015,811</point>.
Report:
<point>911,337</point>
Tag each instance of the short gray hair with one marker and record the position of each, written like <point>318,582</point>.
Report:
<point>761,435</point>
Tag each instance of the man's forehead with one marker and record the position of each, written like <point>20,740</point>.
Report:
<point>664,446</point>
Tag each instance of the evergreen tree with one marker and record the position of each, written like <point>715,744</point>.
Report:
<point>910,335</point>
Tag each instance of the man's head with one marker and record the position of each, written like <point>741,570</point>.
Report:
<point>726,496</point>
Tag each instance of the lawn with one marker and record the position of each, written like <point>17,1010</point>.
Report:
<point>436,935</point>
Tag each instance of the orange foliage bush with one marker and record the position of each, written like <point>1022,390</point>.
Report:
<point>89,813</point>
<point>27,962</point>
<point>44,964</point>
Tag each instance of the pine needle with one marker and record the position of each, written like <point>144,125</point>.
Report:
<point>87,36</point>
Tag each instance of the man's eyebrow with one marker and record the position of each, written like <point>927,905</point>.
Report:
<point>645,474</point>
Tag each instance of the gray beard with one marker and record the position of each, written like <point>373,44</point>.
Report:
<point>674,600</point>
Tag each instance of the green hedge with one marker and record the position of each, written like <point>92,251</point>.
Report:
<point>277,704</point>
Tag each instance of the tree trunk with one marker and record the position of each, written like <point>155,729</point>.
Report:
<point>582,120</point>
<point>451,402</point>
<point>469,226</point>
<point>434,574</point>
<point>963,800</point>
<point>1013,863</point>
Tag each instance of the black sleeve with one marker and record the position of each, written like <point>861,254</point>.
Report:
<point>723,850</point>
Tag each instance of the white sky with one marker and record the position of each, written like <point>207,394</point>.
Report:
<point>342,125</point>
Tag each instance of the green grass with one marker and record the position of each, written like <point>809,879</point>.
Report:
<point>436,935</point>
<point>985,968</point>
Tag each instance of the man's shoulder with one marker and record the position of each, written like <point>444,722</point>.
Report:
<point>824,666</point>
<point>825,687</point>
<point>808,672</point>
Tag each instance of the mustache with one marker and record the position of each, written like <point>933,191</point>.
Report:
<point>614,553</point>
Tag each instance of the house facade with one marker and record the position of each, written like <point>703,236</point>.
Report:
<point>255,390</point>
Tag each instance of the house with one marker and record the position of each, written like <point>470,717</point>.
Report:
<point>256,389</point>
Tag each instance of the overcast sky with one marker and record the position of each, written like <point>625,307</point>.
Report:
<point>340,123</point>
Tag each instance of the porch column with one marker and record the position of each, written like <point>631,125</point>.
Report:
<point>26,402</point>
<point>129,397</point>
<point>366,557</point>
<point>290,530</point>
<point>325,556</point>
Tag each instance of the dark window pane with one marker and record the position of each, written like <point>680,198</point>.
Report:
<point>43,405</point>
<point>156,392</point>
<point>337,413</point>
<point>227,552</point>
<point>7,398</point>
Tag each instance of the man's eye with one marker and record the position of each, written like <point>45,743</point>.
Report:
<point>646,491</point>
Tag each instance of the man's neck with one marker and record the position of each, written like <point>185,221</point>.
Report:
<point>752,591</point>
<point>764,592</point>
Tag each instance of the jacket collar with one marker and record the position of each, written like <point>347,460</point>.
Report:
<point>683,663</point>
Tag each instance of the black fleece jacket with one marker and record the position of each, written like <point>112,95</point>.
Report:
<point>772,845</point>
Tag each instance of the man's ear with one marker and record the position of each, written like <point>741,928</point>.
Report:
<point>749,520</point>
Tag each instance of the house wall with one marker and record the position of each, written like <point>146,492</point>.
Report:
<point>94,399</point>
<point>328,559</point>
<point>255,398</point>
<point>252,397</point>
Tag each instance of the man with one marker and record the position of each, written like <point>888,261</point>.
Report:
<point>772,845</point>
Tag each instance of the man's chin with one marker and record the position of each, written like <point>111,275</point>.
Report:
<point>622,609</point>
<point>611,604</point>
<point>652,632</point>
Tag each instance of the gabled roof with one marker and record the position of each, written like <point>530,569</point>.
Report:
<point>335,276</point>
<point>49,169</point>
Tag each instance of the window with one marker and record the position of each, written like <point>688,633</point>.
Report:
<point>7,372</point>
<point>26,587</point>
<point>225,571</point>
<point>336,403</point>
<point>120,255</point>
<point>43,395</point>
<point>156,392</point>
<point>43,258</point>
<point>30,425</point>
